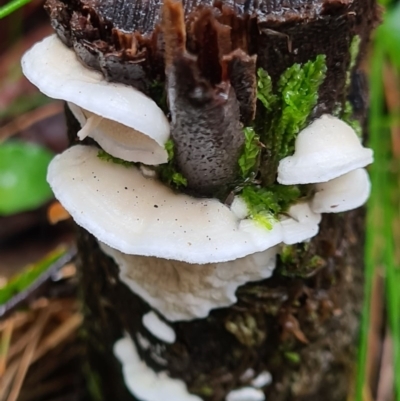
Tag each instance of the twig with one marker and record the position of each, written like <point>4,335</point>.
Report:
<point>19,320</point>
<point>28,355</point>
<point>392,94</point>
<point>58,335</point>
<point>5,344</point>
<point>28,119</point>
<point>386,374</point>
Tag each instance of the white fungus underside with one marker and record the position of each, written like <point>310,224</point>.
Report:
<point>183,291</point>
<point>300,224</point>
<point>144,383</point>
<point>141,216</point>
<point>69,80</point>
<point>158,328</point>
<point>343,193</point>
<point>119,140</point>
<point>246,394</point>
<point>263,379</point>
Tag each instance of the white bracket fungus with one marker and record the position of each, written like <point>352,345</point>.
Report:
<point>144,383</point>
<point>127,113</point>
<point>183,291</point>
<point>119,140</point>
<point>158,328</point>
<point>246,394</point>
<point>299,224</point>
<point>239,208</point>
<point>143,342</point>
<point>141,216</point>
<point>326,149</point>
<point>344,193</point>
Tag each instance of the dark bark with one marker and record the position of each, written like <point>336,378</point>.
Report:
<point>303,322</point>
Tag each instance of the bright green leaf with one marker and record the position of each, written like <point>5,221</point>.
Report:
<point>23,168</point>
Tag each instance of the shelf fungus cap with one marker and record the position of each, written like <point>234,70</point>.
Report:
<point>326,149</point>
<point>141,216</point>
<point>119,140</point>
<point>56,71</point>
<point>344,193</point>
<point>300,223</point>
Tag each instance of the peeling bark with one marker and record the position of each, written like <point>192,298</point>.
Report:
<point>301,325</point>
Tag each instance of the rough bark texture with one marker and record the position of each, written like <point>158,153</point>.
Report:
<point>302,324</point>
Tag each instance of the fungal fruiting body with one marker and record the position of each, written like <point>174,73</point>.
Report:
<point>124,121</point>
<point>326,149</point>
<point>143,382</point>
<point>187,291</point>
<point>185,252</point>
<point>158,328</point>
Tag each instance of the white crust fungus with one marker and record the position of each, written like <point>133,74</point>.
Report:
<point>245,394</point>
<point>131,120</point>
<point>239,207</point>
<point>158,328</point>
<point>144,383</point>
<point>299,224</point>
<point>343,193</point>
<point>262,380</point>
<point>183,291</point>
<point>326,149</point>
<point>119,140</point>
<point>141,216</point>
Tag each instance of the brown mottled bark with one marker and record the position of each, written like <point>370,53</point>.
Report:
<point>302,324</point>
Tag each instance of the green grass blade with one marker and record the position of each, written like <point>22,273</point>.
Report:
<point>11,7</point>
<point>392,276</point>
<point>373,216</point>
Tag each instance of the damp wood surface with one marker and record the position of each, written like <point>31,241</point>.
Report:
<point>302,324</point>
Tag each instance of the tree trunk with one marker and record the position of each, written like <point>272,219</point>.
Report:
<point>300,325</point>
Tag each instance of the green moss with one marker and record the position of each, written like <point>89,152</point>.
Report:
<point>354,50</point>
<point>169,147</point>
<point>345,112</point>
<point>347,117</point>
<point>108,158</point>
<point>249,159</point>
<point>167,172</point>
<point>293,357</point>
<point>266,203</point>
<point>158,94</point>
<point>93,383</point>
<point>246,329</point>
<point>264,90</point>
<point>299,260</point>
<point>205,391</point>
<point>296,95</point>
